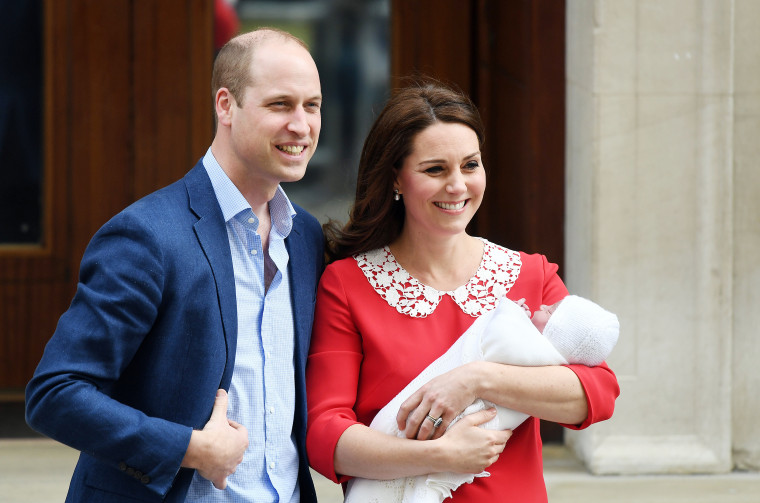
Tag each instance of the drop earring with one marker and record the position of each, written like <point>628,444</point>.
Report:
<point>396,195</point>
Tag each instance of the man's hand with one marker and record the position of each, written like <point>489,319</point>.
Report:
<point>217,449</point>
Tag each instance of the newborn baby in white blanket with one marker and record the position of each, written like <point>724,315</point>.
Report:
<point>578,331</point>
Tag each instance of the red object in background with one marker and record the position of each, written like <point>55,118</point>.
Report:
<point>226,23</point>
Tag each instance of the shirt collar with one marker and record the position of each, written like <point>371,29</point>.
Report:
<point>232,202</point>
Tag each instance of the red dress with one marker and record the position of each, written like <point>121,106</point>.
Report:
<point>376,328</point>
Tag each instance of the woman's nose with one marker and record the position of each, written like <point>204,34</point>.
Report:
<point>456,183</point>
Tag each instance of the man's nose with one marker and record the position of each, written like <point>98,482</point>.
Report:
<point>298,122</point>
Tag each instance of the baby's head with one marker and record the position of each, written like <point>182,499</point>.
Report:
<point>580,329</point>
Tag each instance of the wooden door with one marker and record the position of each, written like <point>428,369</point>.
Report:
<point>126,110</point>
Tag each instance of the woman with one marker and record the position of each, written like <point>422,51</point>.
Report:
<point>405,281</point>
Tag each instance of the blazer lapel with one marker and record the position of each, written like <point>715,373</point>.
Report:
<point>302,290</point>
<point>212,237</point>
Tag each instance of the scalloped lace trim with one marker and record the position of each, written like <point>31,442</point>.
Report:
<point>495,276</point>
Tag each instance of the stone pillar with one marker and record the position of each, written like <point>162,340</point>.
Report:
<point>746,242</point>
<point>663,224</point>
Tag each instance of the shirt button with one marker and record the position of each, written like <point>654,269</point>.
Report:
<point>271,410</point>
<point>268,354</point>
<point>271,465</point>
<point>253,252</point>
<point>251,220</point>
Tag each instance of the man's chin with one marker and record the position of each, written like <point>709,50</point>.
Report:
<point>293,174</point>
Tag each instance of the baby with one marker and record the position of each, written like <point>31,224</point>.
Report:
<point>572,331</point>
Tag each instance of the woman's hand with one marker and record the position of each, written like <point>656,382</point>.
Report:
<point>470,449</point>
<point>445,397</point>
<point>465,448</point>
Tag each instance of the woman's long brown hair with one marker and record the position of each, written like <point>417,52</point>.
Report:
<point>376,219</point>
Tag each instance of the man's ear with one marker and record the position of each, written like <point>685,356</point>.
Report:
<point>224,103</point>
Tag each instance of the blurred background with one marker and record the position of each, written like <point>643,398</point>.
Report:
<point>349,41</point>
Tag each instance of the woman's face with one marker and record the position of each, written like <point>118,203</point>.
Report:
<point>442,181</point>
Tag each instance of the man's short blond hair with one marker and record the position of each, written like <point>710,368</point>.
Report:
<point>232,67</point>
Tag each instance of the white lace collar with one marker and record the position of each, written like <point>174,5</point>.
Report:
<point>495,276</point>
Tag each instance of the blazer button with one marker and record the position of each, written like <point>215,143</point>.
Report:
<point>123,466</point>
<point>138,475</point>
<point>145,479</point>
<point>130,471</point>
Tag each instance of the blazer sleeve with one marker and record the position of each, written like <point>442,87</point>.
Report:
<point>70,397</point>
<point>332,374</point>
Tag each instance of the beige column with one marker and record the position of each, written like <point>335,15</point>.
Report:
<point>663,212</point>
<point>745,382</point>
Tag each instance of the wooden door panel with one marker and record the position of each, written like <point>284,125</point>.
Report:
<point>434,38</point>
<point>127,110</point>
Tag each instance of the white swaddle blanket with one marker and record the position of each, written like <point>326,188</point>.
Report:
<point>503,335</point>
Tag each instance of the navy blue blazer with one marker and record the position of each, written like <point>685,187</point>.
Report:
<point>135,362</point>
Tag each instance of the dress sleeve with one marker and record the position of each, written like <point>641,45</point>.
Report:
<point>599,383</point>
<point>332,373</point>
<point>554,288</point>
<point>601,388</point>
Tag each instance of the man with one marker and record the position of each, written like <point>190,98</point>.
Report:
<point>204,286</point>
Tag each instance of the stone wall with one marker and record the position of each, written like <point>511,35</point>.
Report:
<point>663,225</point>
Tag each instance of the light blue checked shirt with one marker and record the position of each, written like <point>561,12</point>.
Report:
<point>262,393</point>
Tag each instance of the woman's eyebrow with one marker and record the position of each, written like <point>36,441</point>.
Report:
<point>441,161</point>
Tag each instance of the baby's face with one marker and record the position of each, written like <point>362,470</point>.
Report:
<point>541,317</point>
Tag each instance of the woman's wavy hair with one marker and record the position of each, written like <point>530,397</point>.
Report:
<point>376,220</point>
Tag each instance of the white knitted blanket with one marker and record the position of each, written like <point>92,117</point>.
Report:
<point>503,335</point>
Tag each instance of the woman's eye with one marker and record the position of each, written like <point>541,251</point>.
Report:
<point>434,169</point>
<point>472,165</point>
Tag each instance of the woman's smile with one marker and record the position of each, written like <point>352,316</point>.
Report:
<point>454,206</point>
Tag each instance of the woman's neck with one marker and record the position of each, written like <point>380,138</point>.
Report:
<point>444,264</point>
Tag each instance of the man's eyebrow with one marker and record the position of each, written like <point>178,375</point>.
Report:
<point>288,97</point>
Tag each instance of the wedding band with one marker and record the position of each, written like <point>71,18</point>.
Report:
<point>436,422</point>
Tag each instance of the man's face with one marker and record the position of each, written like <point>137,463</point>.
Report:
<point>275,131</point>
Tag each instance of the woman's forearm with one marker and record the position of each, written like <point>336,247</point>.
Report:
<point>466,448</point>
<point>553,393</point>
<point>364,452</point>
